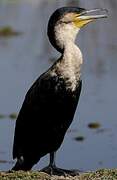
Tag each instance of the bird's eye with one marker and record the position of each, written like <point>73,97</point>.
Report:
<point>66,22</point>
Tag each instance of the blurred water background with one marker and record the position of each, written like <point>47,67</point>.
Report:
<point>26,53</point>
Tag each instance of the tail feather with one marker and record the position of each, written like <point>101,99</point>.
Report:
<point>21,164</point>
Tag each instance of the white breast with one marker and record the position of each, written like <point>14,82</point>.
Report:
<point>69,67</point>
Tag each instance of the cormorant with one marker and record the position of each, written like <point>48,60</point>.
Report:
<point>50,104</point>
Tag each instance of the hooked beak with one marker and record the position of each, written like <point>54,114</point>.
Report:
<point>90,15</point>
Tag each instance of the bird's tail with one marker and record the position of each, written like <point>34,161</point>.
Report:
<point>22,164</point>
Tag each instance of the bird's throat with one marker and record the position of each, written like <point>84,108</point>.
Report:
<point>70,65</point>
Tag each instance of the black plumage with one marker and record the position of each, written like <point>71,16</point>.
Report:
<point>45,116</point>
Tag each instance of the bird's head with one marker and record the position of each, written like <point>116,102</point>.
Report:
<point>65,23</point>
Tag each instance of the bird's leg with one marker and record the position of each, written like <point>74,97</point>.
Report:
<point>53,170</point>
<point>52,159</point>
<point>50,168</point>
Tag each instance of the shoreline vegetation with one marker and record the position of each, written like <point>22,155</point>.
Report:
<point>103,174</point>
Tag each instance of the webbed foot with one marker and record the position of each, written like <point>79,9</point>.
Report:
<point>53,170</point>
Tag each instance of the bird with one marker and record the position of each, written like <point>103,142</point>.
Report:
<point>50,104</point>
